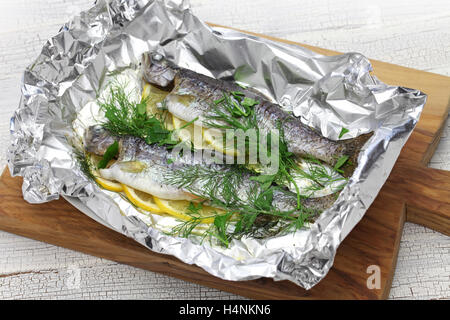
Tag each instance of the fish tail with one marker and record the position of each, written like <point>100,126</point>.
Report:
<point>353,148</point>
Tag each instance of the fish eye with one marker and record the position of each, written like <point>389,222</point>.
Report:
<point>98,129</point>
<point>157,57</point>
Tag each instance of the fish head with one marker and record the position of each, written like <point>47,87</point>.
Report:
<point>157,70</point>
<point>97,139</point>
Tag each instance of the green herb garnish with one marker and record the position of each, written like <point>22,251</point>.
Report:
<point>265,180</point>
<point>85,163</point>
<point>126,117</point>
<point>339,163</point>
<point>110,153</point>
<point>343,131</point>
<point>230,113</point>
<point>141,107</point>
<point>249,102</point>
<point>221,223</point>
<point>253,212</point>
<point>238,94</point>
<point>241,85</point>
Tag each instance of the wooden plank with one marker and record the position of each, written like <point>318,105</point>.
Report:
<point>426,192</point>
<point>373,242</point>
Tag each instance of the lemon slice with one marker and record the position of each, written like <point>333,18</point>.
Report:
<point>190,133</point>
<point>109,185</point>
<point>153,95</point>
<point>141,199</point>
<point>208,211</point>
<point>214,138</point>
<point>178,209</point>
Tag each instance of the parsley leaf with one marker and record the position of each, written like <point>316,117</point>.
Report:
<point>343,131</point>
<point>264,200</point>
<point>249,102</point>
<point>220,222</point>
<point>110,153</point>
<point>141,108</point>
<point>264,178</point>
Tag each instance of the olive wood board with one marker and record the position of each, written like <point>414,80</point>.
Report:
<point>412,192</point>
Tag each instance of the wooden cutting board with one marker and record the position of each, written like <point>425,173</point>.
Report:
<point>413,193</point>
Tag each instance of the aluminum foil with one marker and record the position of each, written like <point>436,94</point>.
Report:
<point>328,93</point>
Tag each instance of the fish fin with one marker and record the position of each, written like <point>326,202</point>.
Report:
<point>131,166</point>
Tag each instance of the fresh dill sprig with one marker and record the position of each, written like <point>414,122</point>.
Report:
<point>126,117</point>
<point>286,163</point>
<point>232,112</point>
<point>209,182</point>
<point>318,174</point>
<point>235,111</point>
<point>187,227</point>
<point>220,188</point>
<point>251,212</point>
<point>85,163</point>
<point>195,225</point>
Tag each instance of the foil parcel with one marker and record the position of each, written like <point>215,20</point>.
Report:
<point>327,92</point>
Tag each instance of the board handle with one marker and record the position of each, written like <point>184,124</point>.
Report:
<point>426,192</point>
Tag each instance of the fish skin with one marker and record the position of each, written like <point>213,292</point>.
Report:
<point>301,139</point>
<point>156,169</point>
<point>202,90</point>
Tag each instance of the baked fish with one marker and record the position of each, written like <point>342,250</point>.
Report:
<point>193,96</point>
<point>158,171</point>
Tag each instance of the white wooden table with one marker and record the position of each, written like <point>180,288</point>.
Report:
<point>413,33</point>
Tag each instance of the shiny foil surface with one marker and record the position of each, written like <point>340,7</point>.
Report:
<point>328,93</point>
